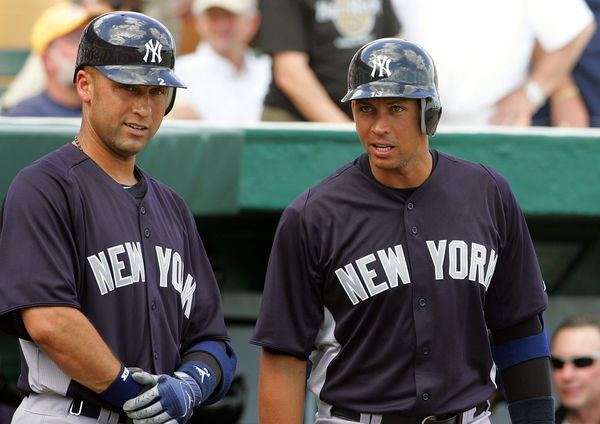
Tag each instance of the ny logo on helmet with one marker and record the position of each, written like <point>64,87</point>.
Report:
<point>381,63</point>
<point>155,50</point>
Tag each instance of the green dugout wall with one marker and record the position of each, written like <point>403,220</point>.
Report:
<point>238,180</point>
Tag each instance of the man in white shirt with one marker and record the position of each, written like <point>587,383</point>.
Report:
<point>227,80</point>
<point>483,52</point>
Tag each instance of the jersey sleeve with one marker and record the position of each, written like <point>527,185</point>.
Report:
<point>292,308</point>
<point>38,261</point>
<point>517,289</point>
<point>283,26</point>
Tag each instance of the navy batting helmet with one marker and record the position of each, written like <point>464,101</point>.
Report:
<point>130,48</point>
<point>392,67</point>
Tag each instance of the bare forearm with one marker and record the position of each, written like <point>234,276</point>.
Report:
<point>73,343</point>
<point>297,80</point>
<point>551,68</point>
<point>281,388</point>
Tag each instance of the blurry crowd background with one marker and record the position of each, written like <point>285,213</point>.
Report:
<point>513,62</point>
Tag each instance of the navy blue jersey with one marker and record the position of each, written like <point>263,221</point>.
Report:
<point>391,293</point>
<point>72,236</point>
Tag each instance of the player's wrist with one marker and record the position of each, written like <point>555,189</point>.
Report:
<point>200,377</point>
<point>121,389</point>
<point>539,410</point>
<point>193,385</point>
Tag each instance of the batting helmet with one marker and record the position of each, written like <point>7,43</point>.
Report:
<point>130,48</point>
<point>392,67</point>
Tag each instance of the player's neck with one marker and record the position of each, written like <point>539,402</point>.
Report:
<point>412,175</point>
<point>119,168</point>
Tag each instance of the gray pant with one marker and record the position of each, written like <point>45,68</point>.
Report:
<point>52,408</point>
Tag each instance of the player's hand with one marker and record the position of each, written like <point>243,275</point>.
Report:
<point>169,400</point>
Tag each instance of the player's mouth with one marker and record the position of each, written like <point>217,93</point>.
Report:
<point>137,128</point>
<point>381,150</point>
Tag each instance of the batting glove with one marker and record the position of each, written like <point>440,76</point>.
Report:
<point>169,400</point>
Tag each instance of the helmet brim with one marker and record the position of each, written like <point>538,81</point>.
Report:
<point>388,89</point>
<point>141,75</point>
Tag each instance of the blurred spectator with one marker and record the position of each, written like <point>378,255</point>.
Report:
<point>312,43</point>
<point>227,81</point>
<point>484,51</point>
<point>577,101</point>
<point>576,362</point>
<point>31,79</point>
<point>54,39</point>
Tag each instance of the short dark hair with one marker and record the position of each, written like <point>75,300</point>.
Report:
<point>579,320</point>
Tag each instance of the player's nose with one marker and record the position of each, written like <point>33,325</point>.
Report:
<point>142,105</point>
<point>381,124</point>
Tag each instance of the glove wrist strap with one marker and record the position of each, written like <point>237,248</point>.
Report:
<point>202,375</point>
<point>121,389</point>
<point>189,380</point>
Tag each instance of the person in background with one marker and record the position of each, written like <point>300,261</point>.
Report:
<point>54,39</point>
<point>227,80</point>
<point>577,102</point>
<point>312,42</point>
<point>576,375</point>
<point>31,78</point>
<point>489,74</point>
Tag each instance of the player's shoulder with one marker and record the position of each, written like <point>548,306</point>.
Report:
<point>56,165</point>
<point>469,169</point>
<point>336,185</point>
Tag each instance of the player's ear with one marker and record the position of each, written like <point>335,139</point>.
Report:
<point>84,82</point>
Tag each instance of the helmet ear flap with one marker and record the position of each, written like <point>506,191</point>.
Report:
<point>431,113</point>
<point>172,93</point>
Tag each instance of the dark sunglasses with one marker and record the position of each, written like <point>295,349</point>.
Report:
<point>581,362</point>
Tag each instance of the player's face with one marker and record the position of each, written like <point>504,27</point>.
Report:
<point>577,387</point>
<point>124,117</point>
<point>390,131</point>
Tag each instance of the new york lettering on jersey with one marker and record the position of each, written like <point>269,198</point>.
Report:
<point>123,265</point>
<point>463,261</point>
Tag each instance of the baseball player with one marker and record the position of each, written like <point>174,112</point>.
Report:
<point>103,276</point>
<point>388,276</point>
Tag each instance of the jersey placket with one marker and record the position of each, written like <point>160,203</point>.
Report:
<point>145,223</point>
<point>421,304</point>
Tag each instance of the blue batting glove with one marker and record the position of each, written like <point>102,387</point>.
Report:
<point>169,400</point>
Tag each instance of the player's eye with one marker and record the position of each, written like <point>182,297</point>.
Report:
<point>397,108</point>
<point>366,108</point>
<point>129,88</point>
<point>159,91</point>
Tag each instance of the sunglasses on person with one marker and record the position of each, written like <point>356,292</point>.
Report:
<point>580,362</point>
